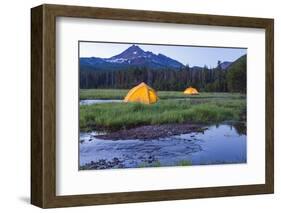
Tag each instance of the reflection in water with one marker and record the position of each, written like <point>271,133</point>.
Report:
<point>219,144</point>
<point>240,128</point>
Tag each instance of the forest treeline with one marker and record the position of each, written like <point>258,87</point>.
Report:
<point>232,79</point>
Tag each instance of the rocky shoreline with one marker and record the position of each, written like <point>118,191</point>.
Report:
<point>149,132</point>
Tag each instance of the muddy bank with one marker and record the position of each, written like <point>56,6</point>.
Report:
<point>152,132</point>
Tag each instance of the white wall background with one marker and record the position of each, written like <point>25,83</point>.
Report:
<point>15,104</point>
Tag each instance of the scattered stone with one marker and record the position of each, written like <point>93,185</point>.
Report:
<point>103,164</point>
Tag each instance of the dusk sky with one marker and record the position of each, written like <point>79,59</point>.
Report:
<point>192,55</point>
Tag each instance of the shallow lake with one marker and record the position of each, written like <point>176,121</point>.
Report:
<point>217,145</point>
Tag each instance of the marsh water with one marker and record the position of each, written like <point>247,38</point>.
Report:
<point>217,144</point>
<point>97,101</point>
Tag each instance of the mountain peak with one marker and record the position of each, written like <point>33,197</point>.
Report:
<point>130,53</point>
<point>134,49</point>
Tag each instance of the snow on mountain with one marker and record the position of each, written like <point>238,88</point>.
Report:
<point>133,56</point>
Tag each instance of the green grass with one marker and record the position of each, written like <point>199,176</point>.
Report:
<point>153,164</point>
<point>102,94</point>
<point>158,164</point>
<point>121,93</point>
<point>184,163</point>
<point>116,116</point>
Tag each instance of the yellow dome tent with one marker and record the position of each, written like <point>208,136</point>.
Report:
<point>191,91</point>
<point>141,93</point>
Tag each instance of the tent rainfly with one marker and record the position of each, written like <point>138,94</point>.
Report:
<point>141,93</point>
<point>191,91</point>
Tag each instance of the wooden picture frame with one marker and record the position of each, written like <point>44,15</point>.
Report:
<point>43,105</point>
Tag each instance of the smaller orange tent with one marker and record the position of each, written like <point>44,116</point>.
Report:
<point>141,93</point>
<point>191,91</point>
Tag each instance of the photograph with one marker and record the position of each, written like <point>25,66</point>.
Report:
<point>169,105</point>
<point>156,105</point>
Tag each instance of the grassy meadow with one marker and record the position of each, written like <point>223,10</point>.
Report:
<point>105,94</point>
<point>172,107</point>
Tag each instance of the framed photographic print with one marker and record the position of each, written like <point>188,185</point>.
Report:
<point>136,106</point>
